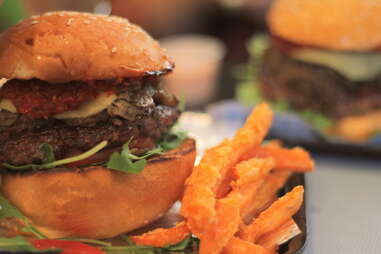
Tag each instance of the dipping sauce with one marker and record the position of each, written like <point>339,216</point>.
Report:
<point>198,60</point>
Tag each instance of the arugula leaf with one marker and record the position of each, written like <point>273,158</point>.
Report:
<point>125,161</point>
<point>188,244</point>
<point>7,210</point>
<point>17,243</point>
<point>20,245</point>
<point>47,151</point>
<point>182,103</point>
<point>48,154</point>
<point>172,139</point>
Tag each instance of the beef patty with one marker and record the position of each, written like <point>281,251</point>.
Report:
<point>142,112</point>
<point>314,87</point>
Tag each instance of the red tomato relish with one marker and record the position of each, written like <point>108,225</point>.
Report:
<point>39,99</point>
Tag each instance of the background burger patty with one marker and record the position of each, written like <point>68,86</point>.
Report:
<point>317,88</point>
<point>143,112</point>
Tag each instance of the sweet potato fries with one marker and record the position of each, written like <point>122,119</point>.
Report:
<point>230,201</point>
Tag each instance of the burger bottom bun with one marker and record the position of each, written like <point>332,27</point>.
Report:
<point>358,128</point>
<point>97,202</point>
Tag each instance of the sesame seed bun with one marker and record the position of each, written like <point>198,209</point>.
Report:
<point>351,25</point>
<point>66,46</point>
<point>96,202</point>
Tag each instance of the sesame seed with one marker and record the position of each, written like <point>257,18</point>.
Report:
<point>34,16</point>
<point>34,22</point>
<point>38,57</point>
<point>94,18</point>
<point>113,50</point>
<point>86,21</point>
<point>61,14</point>
<point>127,28</point>
<point>69,21</point>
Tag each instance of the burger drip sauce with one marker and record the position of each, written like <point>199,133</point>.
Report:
<point>39,99</point>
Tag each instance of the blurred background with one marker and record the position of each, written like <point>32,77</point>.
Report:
<point>214,31</point>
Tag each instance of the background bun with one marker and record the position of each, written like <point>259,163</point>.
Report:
<point>65,46</point>
<point>97,202</point>
<point>353,25</point>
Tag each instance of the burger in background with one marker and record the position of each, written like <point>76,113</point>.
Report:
<point>324,64</point>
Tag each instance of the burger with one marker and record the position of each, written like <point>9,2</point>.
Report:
<point>87,147</point>
<point>324,63</point>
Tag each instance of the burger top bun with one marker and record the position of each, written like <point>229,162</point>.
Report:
<point>66,46</point>
<point>350,25</point>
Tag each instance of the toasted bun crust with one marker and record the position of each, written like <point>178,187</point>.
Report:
<point>65,46</point>
<point>97,202</point>
<point>352,25</point>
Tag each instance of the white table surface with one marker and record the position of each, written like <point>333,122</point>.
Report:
<point>344,206</point>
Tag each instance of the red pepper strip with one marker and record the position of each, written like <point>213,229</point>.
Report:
<point>67,247</point>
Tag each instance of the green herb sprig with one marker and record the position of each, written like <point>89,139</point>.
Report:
<point>50,162</point>
<point>17,243</point>
<point>127,162</point>
<point>7,210</point>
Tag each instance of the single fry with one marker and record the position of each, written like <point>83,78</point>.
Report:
<point>239,246</point>
<point>225,186</point>
<point>249,176</point>
<point>201,187</point>
<point>272,240</point>
<point>296,159</point>
<point>255,128</point>
<point>162,237</point>
<point>273,217</point>
<point>265,196</point>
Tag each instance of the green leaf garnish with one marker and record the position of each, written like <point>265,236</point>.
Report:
<point>17,243</point>
<point>48,154</point>
<point>127,162</point>
<point>172,139</point>
<point>47,150</point>
<point>182,102</point>
<point>7,210</point>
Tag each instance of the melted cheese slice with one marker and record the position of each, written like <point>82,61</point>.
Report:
<point>89,108</point>
<point>8,105</point>
<point>354,66</point>
<point>85,110</point>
